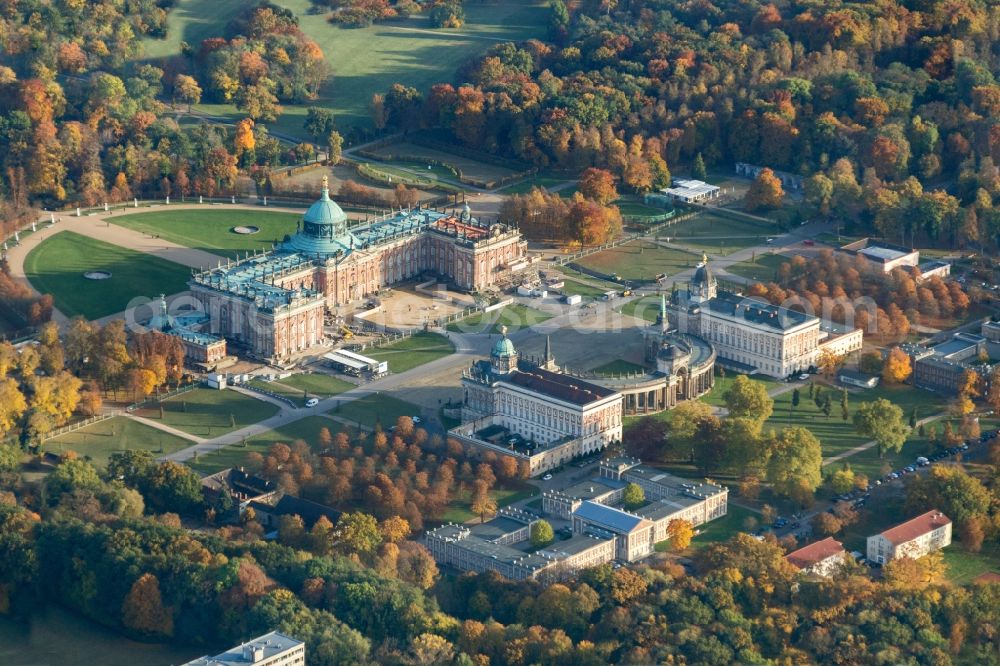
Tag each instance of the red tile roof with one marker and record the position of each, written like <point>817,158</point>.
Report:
<point>911,529</point>
<point>814,552</point>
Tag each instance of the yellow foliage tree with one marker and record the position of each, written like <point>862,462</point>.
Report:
<point>12,405</point>
<point>680,532</point>
<point>143,610</point>
<point>244,139</point>
<point>897,368</point>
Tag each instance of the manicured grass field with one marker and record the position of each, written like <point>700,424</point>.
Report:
<point>470,168</point>
<point>640,260</point>
<point>372,409</point>
<point>647,307</point>
<point>837,435</point>
<point>526,185</point>
<point>57,266</point>
<point>210,413</point>
<point>234,455</point>
<point>411,352</point>
<point>98,441</point>
<point>514,317</point>
<point>717,234</point>
<point>572,287</point>
<point>763,270</point>
<point>211,230</point>
<point>720,529</point>
<point>963,566</point>
<point>637,209</point>
<point>460,511</point>
<point>317,384</point>
<point>364,61</point>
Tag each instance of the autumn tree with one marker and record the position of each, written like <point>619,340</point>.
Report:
<point>906,573</point>
<point>680,532</point>
<point>598,185</point>
<point>765,193</point>
<point>186,90</point>
<point>897,368</point>
<point>483,503</point>
<point>358,532</point>
<point>143,610</point>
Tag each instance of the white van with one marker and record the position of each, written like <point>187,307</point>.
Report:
<point>312,402</point>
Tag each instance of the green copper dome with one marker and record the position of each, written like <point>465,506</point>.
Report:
<point>503,348</point>
<point>326,210</point>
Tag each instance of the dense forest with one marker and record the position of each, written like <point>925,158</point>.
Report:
<point>889,108</point>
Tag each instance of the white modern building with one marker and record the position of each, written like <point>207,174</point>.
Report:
<point>751,335</point>
<point>691,191</point>
<point>273,649</point>
<point>533,412</point>
<point>822,558</point>
<point>915,538</point>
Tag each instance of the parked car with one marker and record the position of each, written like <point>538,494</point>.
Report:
<point>923,462</point>
<point>312,402</point>
<point>416,420</point>
<point>547,477</point>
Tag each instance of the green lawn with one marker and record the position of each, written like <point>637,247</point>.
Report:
<point>364,61</point>
<point>763,269</point>
<point>372,409</point>
<point>459,509</point>
<point>211,230</point>
<point>637,209</point>
<point>647,307</point>
<point>870,464</point>
<point>414,351</point>
<point>306,429</point>
<point>540,180</point>
<point>640,260</point>
<point>963,566</point>
<point>97,442</point>
<point>514,317</point>
<point>210,413</point>
<point>717,234</point>
<point>618,367</point>
<point>470,168</point>
<point>318,384</point>
<point>572,287</point>
<point>57,266</point>
<point>720,529</point>
<point>833,432</point>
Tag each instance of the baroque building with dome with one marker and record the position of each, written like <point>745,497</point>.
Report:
<point>271,305</point>
<point>753,336</point>
<point>531,411</point>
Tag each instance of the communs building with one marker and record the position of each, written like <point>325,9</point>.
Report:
<point>271,304</point>
<point>753,336</point>
<point>596,503</point>
<point>500,545</point>
<point>886,257</point>
<point>531,411</point>
<point>273,649</point>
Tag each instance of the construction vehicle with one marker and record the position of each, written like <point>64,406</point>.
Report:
<point>627,292</point>
<point>346,332</point>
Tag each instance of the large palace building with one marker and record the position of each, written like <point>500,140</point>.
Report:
<point>750,335</point>
<point>534,413</point>
<point>272,304</point>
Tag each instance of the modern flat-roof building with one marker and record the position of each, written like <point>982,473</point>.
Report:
<point>750,335</point>
<point>534,413</point>
<point>882,256</point>
<point>273,649</point>
<point>500,545</point>
<point>272,303</point>
<point>668,497</point>
<point>691,191</point>
<point>915,538</point>
<point>859,379</point>
<point>822,558</point>
<point>941,367</point>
